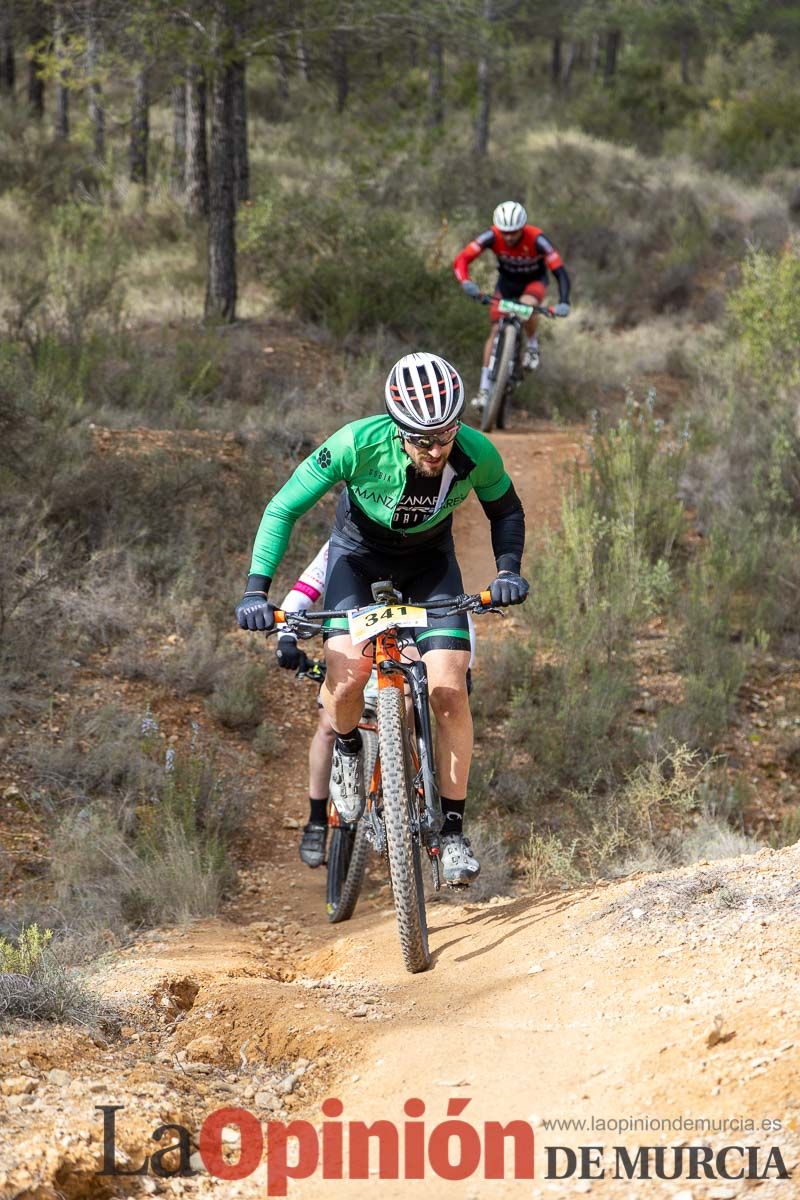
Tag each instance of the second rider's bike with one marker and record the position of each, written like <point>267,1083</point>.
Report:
<point>505,365</point>
<point>403,814</point>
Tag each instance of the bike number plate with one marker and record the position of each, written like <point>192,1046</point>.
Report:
<point>366,622</point>
<point>511,306</point>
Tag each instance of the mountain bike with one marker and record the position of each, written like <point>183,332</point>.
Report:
<point>505,364</point>
<point>348,847</point>
<point>402,816</point>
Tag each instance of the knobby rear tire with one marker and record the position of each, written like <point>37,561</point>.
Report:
<point>502,379</point>
<point>399,801</point>
<point>349,850</point>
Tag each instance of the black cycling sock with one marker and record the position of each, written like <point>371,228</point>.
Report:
<point>317,811</point>
<point>453,813</point>
<point>349,743</point>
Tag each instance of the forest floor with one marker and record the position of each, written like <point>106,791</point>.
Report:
<point>668,996</point>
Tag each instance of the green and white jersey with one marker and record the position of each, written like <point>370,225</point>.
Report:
<point>386,502</point>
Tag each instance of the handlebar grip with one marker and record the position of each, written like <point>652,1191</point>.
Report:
<point>486,598</point>
<point>279,615</point>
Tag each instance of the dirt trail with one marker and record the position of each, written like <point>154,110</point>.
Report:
<point>598,1003</point>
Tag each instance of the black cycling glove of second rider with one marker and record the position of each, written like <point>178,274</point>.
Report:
<point>288,653</point>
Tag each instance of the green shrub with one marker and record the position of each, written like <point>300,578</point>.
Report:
<point>617,830</point>
<point>238,698</point>
<point>158,852</point>
<point>635,472</point>
<point>752,120</point>
<point>24,956</point>
<point>595,580</point>
<point>639,106</point>
<point>712,651</point>
<point>353,269</point>
<point>764,313</point>
<point>36,985</point>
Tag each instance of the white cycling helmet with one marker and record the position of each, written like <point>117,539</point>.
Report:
<point>509,216</point>
<point>424,392</point>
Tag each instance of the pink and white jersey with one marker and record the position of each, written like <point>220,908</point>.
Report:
<point>309,586</point>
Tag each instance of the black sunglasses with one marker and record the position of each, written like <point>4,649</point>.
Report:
<point>424,441</point>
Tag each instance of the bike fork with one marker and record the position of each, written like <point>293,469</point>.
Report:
<point>416,675</point>
<point>496,344</point>
<point>418,680</point>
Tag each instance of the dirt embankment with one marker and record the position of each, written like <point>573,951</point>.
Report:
<point>667,997</point>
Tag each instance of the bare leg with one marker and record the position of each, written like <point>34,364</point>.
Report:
<point>342,693</point>
<point>530,325</point>
<point>319,757</point>
<point>487,349</point>
<point>447,683</point>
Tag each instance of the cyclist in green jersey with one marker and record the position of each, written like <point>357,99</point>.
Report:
<point>404,474</point>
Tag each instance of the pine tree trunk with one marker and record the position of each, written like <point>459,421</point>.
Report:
<point>241,155</point>
<point>282,67</point>
<point>196,143</point>
<point>8,64</point>
<point>341,71</point>
<point>556,61</point>
<point>36,37</point>
<point>61,128</point>
<point>484,84</point>
<point>97,112</point>
<point>179,137</point>
<point>140,128</point>
<point>221,287</point>
<point>569,64</point>
<point>303,57</point>
<point>436,81</point>
<point>613,39</point>
<point>594,53</point>
<point>684,50</point>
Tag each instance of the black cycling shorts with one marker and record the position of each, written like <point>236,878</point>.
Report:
<point>430,572</point>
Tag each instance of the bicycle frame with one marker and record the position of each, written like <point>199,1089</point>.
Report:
<point>394,671</point>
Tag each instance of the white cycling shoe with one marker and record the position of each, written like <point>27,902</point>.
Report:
<point>459,864</point>
<point>480,401</point>
<point>348,795</point>
<point>530,360</point>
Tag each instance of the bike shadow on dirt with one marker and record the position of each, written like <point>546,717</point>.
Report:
<point>513,919</point>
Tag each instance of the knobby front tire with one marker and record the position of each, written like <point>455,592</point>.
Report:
<point>349,850</point>
<point>502,379</point>
<point>399,801</point>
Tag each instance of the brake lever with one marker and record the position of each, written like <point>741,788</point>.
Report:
<point>492,608</point>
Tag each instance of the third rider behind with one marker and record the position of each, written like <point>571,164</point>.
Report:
<point>523,255</point>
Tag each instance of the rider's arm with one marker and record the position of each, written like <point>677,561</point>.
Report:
<point>470,253</point>
<point>308,588</point>
<point>555,263</point>
<point>504,509</point>
<point>333,462</point>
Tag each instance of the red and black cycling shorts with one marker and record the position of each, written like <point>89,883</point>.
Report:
<point>535,290</point>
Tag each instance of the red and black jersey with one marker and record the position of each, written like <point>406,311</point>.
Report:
<point>523,263</point>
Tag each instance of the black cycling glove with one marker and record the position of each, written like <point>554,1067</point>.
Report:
<point>288,652</point>
<point>255,612</point>
<point>508,588</point>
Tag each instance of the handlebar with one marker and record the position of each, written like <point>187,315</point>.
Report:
<point>309,623</point>
<point>544,310</point>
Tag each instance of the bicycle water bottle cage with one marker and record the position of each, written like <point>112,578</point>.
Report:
<point>385,592</point>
